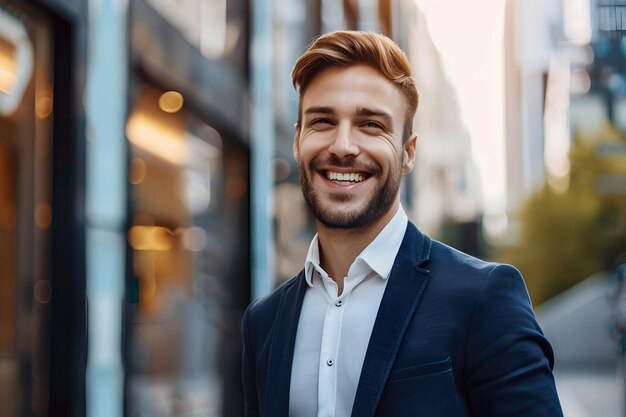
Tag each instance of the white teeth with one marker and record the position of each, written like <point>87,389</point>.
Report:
<point>346,177</point>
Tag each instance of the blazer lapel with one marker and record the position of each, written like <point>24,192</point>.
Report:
<point>281,350</point>
<point>406,285</point>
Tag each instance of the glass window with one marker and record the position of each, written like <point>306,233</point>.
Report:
<point>203,23</point>
<point>188,224</point>
<point>25,138</point>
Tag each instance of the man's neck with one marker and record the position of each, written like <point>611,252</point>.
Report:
<point>340,247</point>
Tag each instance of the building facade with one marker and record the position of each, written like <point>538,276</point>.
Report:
<point>124,206</point>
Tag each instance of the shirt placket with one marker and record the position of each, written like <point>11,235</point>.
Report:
<point>327,383</point>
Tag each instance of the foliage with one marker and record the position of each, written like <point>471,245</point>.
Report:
<point>565,236</point>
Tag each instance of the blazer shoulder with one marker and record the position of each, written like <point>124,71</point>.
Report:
<point>454,258</point>
<point>260,316</point>
<point>475,273</point>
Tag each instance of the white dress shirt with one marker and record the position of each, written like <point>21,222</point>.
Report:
<point>334,330</point>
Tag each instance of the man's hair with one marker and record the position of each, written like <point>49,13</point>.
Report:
<point>349,47</point>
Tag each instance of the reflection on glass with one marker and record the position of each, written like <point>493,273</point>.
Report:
<point>16,61</point>
<point>137,171</point>
<point>7,66</point>
<point>194,239</point>
<point>43,215</point>
<point>171,101</point>
<point>176,172</point>
<point>25,213</point>
<point>202,22</point>
<point>157,136</point>
<point>153,238</point>
<point>43,104</point>
<point>42,291</point>
<point>7,246</point>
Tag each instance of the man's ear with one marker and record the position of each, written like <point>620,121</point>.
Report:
<point>408,162</point>
<point>296,143</point>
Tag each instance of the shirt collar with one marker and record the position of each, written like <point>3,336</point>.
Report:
<point>378,256</point>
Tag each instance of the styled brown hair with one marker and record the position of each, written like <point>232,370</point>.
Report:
<point>349,47</point>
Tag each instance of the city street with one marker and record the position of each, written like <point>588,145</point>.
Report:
<point>590,393</point>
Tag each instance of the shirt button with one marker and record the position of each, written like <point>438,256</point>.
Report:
<point>330,362</point>
<point>339,303</point>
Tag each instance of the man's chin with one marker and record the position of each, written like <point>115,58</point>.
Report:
<point>341,219</point>
<point>343,225</point>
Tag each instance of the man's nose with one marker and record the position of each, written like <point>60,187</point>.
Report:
<point>343,144</point>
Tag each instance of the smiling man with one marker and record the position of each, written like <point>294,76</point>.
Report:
<point>383,321</point>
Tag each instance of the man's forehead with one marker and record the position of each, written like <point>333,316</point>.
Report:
<point>355,90</point>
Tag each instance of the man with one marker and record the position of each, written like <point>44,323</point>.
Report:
<point>383,321</point>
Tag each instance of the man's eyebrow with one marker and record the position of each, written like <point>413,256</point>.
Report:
<point>320,109</point>
<point>365,111</point>
<point>361,111</point>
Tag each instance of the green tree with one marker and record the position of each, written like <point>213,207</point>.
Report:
<point>565,236</point>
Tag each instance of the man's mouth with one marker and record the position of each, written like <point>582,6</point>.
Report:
<point>345,178</point>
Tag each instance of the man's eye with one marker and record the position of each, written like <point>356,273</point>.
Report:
<point>373,125</point>
<point>320,121</point>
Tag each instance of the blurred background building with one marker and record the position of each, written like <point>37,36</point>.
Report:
<point>148,190</point>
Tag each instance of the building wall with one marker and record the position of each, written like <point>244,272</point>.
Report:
<point>75,186</point>
<point>445,183</point>
<point>531,38</point>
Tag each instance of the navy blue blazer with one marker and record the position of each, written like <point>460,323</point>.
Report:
<point>454,336</point>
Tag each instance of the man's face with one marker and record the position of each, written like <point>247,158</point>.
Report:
<point>349,147</point>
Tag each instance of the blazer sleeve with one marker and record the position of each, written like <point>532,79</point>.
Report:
<point>250,392</point>
<point>509,362</point>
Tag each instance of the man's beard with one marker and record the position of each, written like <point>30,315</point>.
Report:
<point>378,203</point>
